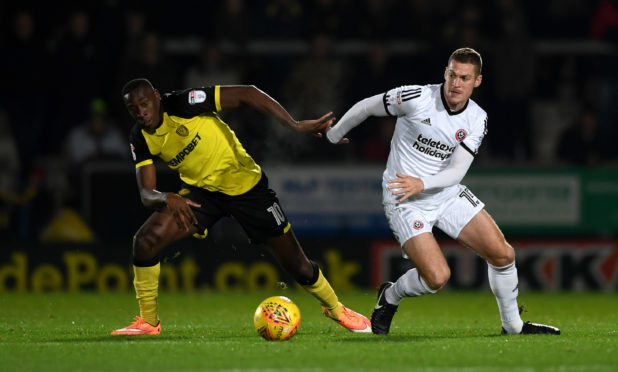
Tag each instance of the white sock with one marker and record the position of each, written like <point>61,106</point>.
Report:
<point>409,284</point>
<point>504,284</point>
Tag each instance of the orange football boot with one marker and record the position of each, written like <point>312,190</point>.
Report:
<point>351,320</point>
<point>139,327</point>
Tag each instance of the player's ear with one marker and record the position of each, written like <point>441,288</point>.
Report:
<point>478,81</point>
<point>445,73</point>
<point>157,94</point>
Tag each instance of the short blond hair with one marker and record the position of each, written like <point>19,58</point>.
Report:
<point>467,55</point>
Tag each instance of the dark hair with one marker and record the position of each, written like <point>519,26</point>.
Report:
<point>468,55</point>
<point>134,84</point>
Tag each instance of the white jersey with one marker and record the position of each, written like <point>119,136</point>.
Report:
<point>426,134</point>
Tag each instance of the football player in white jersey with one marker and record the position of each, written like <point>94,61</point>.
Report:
<point>438,132</point>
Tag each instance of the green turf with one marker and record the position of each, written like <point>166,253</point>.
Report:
<point>214,331</point>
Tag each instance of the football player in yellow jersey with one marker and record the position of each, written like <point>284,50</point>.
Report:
<point>219,179</point>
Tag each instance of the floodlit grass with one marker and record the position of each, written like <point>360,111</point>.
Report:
<point>214,331</point>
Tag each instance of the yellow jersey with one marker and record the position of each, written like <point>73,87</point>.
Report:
<point>195,142</point>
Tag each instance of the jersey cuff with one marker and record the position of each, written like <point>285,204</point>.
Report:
<point>468,149</point>
<point>385,105</point>
<point>218,97</point>
<point>142,163</point>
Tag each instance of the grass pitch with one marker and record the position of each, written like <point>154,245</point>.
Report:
<point>214,331</point>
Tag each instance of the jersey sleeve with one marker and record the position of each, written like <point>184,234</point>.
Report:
<point>139,150</point>
<point>192,102</point>
<point>473,141</point>
<point>403,100</point>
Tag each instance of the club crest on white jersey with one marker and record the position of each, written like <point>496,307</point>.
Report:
<point>427,131</point>
<point>460,135</point>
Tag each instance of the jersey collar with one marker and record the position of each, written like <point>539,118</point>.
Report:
<point>451,112</point>
<point>165,127</point>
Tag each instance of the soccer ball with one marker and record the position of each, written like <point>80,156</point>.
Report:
<point>277,318</point>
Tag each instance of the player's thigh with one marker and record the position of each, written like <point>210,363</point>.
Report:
<point>483,235</point>
<point>290,255</point>
<point>261,216</point>
<point>159,230</point>
<point>424,251</point>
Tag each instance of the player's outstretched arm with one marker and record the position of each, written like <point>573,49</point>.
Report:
<point>372,106</point>
<point>237,95</point>
<point>178,206</point>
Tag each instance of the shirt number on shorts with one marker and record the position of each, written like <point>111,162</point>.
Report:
<point>277,213</point>
<point>468,195</point>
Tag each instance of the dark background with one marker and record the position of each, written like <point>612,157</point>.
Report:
<point>549,86</point>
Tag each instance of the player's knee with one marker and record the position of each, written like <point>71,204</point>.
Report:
<point>502,256</point>
<point>436,279</point>
<point>145,242</point>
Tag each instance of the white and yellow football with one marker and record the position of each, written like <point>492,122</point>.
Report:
<point>277,318</point>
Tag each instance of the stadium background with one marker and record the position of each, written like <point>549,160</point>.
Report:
<point>547,169</point>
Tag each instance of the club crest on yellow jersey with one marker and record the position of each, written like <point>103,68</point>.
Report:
<point>182,131</point>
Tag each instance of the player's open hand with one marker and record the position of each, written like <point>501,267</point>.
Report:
<point>406,185</point>
<point>314,126</point>
<point>181,210</point>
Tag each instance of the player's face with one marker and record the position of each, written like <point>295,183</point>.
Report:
<point>144,105</point>
<point>460,79</point>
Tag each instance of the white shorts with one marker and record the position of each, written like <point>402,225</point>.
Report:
<point>408,220</point>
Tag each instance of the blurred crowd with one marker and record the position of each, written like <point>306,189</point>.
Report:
<point>549,84</point>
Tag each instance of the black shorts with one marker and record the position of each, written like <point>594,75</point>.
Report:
<point>258,210</point>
